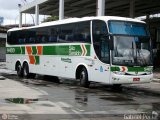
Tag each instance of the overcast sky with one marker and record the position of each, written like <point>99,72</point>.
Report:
<point>9,10</point>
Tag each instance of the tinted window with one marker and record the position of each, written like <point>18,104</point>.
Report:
<point>74,32</point>
<point>128,28</point>
<point>66,33</point>
<point>53,34</point>
<point>21,37</point>
<point>42,35</point>
<point>82,32</point>
<point>100,41</point>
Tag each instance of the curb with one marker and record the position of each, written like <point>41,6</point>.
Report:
<point>156,80</point>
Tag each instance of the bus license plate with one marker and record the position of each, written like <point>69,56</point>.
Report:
<point>136,79</point>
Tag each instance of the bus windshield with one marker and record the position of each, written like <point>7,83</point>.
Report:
<point>128,28</point>
<point>131,44</point>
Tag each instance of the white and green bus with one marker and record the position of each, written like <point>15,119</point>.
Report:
<point>109,50</point>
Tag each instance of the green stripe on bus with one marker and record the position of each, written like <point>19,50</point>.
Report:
<point>133,69</point>
<point>14,50</point>
<point>55,50</point>
<point>71,50</point>
<point>115,69</point>
<point>88,50</point>
<point>37,59</point>
<point>34,50</point>
<point>23,50</point>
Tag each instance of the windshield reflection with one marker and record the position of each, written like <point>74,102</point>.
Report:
<point>131,51</point>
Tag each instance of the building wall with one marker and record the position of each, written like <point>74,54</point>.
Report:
<point>2,50</point>
<point>2,54</point>
<point>154,25</point>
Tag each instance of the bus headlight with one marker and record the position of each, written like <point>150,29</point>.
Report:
<point>119,73</point>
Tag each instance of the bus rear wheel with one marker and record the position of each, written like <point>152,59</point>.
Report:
<point>26,73</point>
<point>84,78</point>
<point>19,70</point>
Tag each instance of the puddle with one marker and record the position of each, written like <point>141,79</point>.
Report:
<point>2,65</point>
<point>2,101</point>
<point>47,105</point>
<point>156,106</point>
<point>116,99</point>
<point>2,78</point>
<point>21,100</point>
<point>10,76</point>
<point>81,99</point>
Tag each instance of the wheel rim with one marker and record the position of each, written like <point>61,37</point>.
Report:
<point>82,76</point>
<point>19,69</point>
<point>25,71</point>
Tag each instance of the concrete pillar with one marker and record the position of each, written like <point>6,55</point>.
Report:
<point>20,19</point>
<point>61,9</point>
<point>132,9</point>
<point>147,19</point>
<point>101,8</point>
<point>37,14</point>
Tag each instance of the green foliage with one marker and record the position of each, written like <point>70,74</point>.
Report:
<point>51,18</point>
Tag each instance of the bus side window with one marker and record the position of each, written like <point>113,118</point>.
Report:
<point>66,33</point>
<point>53,35</point>
<point>82,33</point>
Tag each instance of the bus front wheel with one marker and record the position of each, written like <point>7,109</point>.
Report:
<point>84,78</point>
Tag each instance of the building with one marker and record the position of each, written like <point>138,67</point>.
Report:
<point>154,26</point>
<point>81,8</point>
<point>3,35</point>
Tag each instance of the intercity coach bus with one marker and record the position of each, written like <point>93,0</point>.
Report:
<point>109,50</point>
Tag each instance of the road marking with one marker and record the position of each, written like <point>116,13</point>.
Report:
<point>65,105</point>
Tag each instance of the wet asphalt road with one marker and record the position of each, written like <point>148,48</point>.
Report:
<point>98,100</point>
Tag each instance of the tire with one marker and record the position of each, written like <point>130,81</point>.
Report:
<point>26,73</point>
<point>19,70</point>
<point>84,78</point>
<point>117,87</point>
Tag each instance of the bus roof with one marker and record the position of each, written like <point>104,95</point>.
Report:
<point>73,20</point>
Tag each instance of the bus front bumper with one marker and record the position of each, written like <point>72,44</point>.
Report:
<point>127,79</point>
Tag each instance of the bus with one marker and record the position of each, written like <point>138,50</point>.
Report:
<point>107,49</point>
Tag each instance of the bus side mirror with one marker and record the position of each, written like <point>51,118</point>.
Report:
<point>111,43</point>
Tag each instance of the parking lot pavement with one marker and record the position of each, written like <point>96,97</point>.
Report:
<point>156,76</point>
<point>153,87</point>
<point>22,96</point>
<point>40,99</point>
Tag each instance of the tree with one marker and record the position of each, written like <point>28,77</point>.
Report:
<point>51,18</point>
